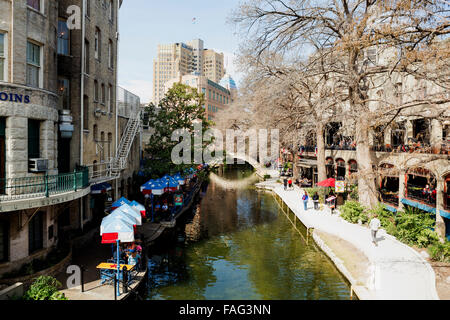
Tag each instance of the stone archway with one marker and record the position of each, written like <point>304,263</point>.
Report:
<point>329,166</point>
<point>340,169</point>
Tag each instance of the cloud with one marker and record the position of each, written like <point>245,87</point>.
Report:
<point>141,88</point>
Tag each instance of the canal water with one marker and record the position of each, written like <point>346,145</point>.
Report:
<point>237,244</point>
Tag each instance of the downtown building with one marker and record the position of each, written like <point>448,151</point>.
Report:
<point>179,59</point>
<point>216,97</point>
<point>409,154</point>
<point>60,130</point>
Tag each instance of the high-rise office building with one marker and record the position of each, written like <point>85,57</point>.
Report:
<point>213,66</point>
<point>179,59</point>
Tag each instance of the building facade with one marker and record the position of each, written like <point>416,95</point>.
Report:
<point>411,154</point>
<point>216,97</point>
<point>179,59</point>
<point>58,120</point>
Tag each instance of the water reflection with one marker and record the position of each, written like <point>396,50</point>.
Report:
<point>237,245</point>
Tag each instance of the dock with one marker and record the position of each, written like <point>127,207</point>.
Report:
<point>151,231</point>
<point>94,290</point>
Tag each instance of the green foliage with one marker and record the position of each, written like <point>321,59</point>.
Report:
<point>320,191</point>
<point>178,110</point>
<point>387,218</point>
<point>353,193</point>
<point>415,229</point>
<point>267,176</point>
<point>440,251</point>
<point>44,288</point>
<point>353,212</point>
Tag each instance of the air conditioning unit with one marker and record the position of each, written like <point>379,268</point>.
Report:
<point>37,165</point>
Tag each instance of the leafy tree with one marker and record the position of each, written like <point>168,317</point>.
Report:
<point>181,108</point>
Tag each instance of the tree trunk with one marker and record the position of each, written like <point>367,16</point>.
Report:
<point>366,176</point>
<point>321,169</point>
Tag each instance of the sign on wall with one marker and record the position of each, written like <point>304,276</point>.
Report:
<point>340,186</point>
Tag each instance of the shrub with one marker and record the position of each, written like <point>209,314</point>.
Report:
<point>353,212</point>
<point>440,251</point>
<point>267,176</point>
<point>353,194</point>
<point>44,288</point>
<point>415,229</point>
<point>386,217</point>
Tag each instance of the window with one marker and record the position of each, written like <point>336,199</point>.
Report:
<point>34,128</point>
<point>35,4</point>
<point>88,8</point>
<point>86,56</point>
<point>110,54</point>
<point>103,93</point>
<point>33,64</point>
<point>111,10</point>
<point>95,91</point>
<point>36,233</point>
<point>4,237</point>
<point>95,133</point>
<point>97,43</point>
<point>85,113</point>
<point>109,97</point>
<point>64,92</point>
<point>63,38</point>
<point>2,56</point>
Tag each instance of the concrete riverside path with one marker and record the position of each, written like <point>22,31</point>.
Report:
<point>397,271</point>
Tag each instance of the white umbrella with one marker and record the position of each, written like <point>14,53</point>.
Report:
<point>132,212</point>
<point>117,229</point>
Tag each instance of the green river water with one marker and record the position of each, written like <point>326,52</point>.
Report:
<point>239,245</point>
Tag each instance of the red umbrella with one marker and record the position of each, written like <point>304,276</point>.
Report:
<point>327,183</point>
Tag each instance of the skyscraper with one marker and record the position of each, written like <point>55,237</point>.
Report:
<point>179,59</point>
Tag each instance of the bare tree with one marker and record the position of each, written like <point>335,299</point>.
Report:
<point>360,45</point>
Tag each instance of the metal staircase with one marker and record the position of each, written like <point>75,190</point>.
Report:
<point>120,161</point>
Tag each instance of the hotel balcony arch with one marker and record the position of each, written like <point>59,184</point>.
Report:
<point>340,169</point>
<point>445,209</point>
<point>421,189</point>
<point>352,171</point>
<point>388,185</point>
<point>329,166</point>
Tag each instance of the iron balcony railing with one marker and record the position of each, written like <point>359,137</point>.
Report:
<point>43,185</point>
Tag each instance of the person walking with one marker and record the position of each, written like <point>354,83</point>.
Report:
<point>285,182</point>
<point>305,199</point>
<point>374,226</point>
<point>316,201</point>
<point>290,183</point>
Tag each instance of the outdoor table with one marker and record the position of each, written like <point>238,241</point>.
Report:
<point>113,266</point>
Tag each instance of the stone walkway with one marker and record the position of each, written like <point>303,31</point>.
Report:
<point>398,272</point>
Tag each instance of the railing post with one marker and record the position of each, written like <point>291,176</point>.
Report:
<point>75,180</point>
<point>46,184</point>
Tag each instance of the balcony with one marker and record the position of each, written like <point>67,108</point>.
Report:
<point>20,193</point>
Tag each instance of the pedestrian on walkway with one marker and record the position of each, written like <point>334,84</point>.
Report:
<point>316,201</point>
<point>285,182</point>
<point>305,199</point>
<point>374,226</point>
<point>290,183</point>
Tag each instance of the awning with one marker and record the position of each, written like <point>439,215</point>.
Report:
<point>100,188</point>
<point>444,214</point>
<point>389,208</point>
<point>419,205</point>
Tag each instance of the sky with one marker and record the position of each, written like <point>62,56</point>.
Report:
<point>146,23</point>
